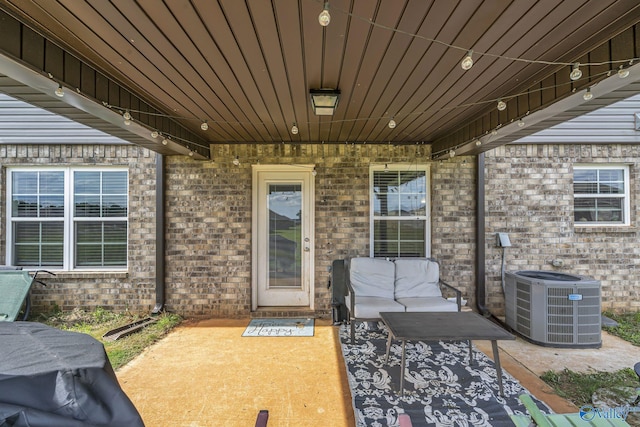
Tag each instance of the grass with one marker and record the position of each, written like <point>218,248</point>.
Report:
<point>98,322</point>
<point>628,327</point>
<point>578,387</point>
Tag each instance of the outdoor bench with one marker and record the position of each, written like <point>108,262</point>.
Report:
<point>377,285</point>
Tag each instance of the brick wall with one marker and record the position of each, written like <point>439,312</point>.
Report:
<point>209,219</point>
<point>132,290</point>
<point>529,194</point>
<point>208,222</point>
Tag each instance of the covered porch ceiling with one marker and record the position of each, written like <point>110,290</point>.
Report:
<point>246,68</point>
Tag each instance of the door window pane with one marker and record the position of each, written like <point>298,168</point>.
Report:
<point>285,235</point>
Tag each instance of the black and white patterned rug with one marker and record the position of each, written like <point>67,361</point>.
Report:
<point>441,389</point>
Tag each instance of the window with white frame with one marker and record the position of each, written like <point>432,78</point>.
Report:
<point>67,218</point>
<point>400,211</point>
<point>601,195</point>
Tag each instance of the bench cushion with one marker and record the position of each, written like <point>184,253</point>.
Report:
<point>372,277</point>
<point>428,304</point>
<point>370,307</point>
<point>416,278</point>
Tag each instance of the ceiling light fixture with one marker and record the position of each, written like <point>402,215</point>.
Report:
<point>623,72</point>
<point>587,95</point>
<point>502,105</point>
<point>324,101</point>
<point>467,62</point>
<point>575,73</point>
<point>59,91</point>
<point>204,125</point>
<point>165,141</point>
<point>294,129</point>
<point>392,124</point>
<point>324,18</point>
<point>154,134</point>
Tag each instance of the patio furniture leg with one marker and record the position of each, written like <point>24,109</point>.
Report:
<point>402,368</point>
<point>470,353</point>
<point>353,331</point>
<point>263,417</point>
<point>496,360</point>
<point>386,355</point>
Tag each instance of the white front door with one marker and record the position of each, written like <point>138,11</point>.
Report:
<point>282,236</point>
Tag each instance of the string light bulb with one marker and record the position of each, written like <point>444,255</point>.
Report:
<point>314,172</point>
<point>165,141</point>
<point>154,134</point>
<point>127,118</point>
<point>204,125</point>
<point>478,143</point>
<point>392,124</point>
<point>452,153</point>
<point>502,105</point>
<point>190,153</point>
<point>324,18</point>
<point>467,62</point>
<point>575,73</point>
<point>294,129</point>
<point>587,95</point>
<point>236,161</point>
<point>623,72</point>
<point>520,123</point>
<point>386,167</point>
<point>59,91</point>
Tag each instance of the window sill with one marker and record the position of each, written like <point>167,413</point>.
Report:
<point>605,229</point>
<point>90,274</point>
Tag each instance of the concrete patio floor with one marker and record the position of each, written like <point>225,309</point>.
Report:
<point>206,374</point>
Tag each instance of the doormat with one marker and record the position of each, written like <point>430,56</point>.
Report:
<point>293,327</point>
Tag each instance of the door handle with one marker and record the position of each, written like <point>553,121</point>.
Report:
<point>306,249</point>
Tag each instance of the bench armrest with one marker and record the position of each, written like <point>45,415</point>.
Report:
<point>458,293</point>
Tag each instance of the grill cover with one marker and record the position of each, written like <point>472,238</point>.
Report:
<point>55,378</point>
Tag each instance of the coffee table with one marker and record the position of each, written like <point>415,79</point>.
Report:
<point>444,326</point>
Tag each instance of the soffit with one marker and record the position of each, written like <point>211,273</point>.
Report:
<point>247,67</point>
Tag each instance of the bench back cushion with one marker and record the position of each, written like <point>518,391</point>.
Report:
<point>372,277</point>
<point>417,278</point>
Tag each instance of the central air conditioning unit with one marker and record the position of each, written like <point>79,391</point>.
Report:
<point>554,309</point>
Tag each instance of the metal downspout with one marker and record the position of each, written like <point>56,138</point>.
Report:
<point>481,295</point>
<point>160,236</point>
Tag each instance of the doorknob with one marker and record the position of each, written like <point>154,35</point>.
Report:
<point>306,249</point>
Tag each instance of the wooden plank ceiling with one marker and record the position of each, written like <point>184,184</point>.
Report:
<point>246,67</point>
